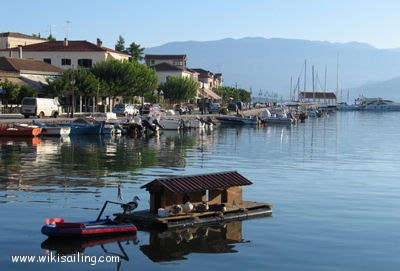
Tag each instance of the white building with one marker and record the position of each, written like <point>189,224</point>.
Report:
<point>175,60</point>
<point>66,54</point>
<point>13,39</point>
<point>175,65</point>
<point>165,70</point>
<point>27,71</point>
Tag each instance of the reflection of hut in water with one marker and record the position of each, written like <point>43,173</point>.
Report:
<point>216,197</point>
<point>175,245</point>
<point>217,188</point>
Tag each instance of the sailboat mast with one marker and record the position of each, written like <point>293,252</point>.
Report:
<point>313,82</point>
<point>305,75</point>
<point>290,90</point>
<point>337,78</point>
<point>326,69</point>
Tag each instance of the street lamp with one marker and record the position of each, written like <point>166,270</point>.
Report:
<point>73,81</point>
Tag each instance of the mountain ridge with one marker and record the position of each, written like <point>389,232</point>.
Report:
<point>268,63</point>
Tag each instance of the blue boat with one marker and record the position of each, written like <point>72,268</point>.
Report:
<point>79,126</point>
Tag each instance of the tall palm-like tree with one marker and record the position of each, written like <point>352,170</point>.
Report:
<point>135,51</point>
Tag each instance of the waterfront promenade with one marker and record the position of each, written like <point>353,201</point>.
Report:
<point>18,118</point>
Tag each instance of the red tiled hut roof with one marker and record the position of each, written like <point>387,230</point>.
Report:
<point>192,183</point>
<point>317,95</point>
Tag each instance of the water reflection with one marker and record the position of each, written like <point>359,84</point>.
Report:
<point>72,246</point>
<point>51,163</point>
<point>177,244</point>
<point>115,246</point>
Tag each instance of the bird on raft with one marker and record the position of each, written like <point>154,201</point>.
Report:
<point>132,205</point>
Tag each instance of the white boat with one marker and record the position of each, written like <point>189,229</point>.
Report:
<point>381,105</point>
<point>241,120</point>
<point>193,124</point>
<point>283,118</point>
<point>170,123</point>
<point>49,130</point>
<point>343,106</point>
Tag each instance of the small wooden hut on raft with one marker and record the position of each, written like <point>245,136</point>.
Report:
<point>214,188</point>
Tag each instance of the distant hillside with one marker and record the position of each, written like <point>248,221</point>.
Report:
<point>389,89</point>
<point>268,64</point>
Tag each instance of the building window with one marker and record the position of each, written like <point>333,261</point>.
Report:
<point>178,63</point>
<point>66,62</point>
<point>152,62</point>
<point>85,63</point>
<point>47,60</point>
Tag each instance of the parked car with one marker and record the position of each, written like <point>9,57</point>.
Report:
<point>125,110</point>
<point>214,108</point>
<point>150,108</point>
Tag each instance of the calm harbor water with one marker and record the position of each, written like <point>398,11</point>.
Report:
<point>334,183</point>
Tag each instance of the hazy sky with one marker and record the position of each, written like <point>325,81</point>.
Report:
<point>155,22</point>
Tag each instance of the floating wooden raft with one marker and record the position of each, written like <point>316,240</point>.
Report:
<point>248,209</point>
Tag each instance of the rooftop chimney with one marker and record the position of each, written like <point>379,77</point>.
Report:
<point>65,42</point>
<point>19,51</point>
<point>99,42</point>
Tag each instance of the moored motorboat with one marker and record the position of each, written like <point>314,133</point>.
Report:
<point>283,118</point>
<point>80,126</point>
<point>241,120</point>
<point>170,123</point>
<point>20,131</point>
<point>52,130</point>
<point>57,227</point>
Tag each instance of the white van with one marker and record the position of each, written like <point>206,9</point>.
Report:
<point>41,107</point>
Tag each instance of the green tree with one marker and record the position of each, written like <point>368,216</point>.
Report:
<point>12,91</point>
<point>51,37</point>
<point>179,88</point>
<point>135,51</point>
<point>26,91</point>
<point>125,78</point>
<point>72,83</point>
<point>120,45</point>
<point>236,94</point>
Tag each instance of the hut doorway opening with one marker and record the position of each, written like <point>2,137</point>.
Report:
<point>157,200</point>
<point>224,196</point>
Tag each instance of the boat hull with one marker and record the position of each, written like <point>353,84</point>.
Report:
<point>277,120</point>
<point>18,131</point>
<point>56,131</point>
<point>105,227</point>
<point>238,120</point>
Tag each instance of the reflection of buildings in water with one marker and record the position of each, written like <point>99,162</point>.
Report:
<point>175,245</point>
<point>46,151</point>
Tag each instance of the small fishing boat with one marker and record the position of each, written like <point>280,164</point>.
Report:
<point>59,228</point>
<point>48,130</point>
<point>171,123</point>
<point>283,118</point>
<point>237,119</point>
<point>80,126</point>
<point>20,131</point>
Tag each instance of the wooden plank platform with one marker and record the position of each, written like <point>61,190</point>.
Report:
<point>145,219</point>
